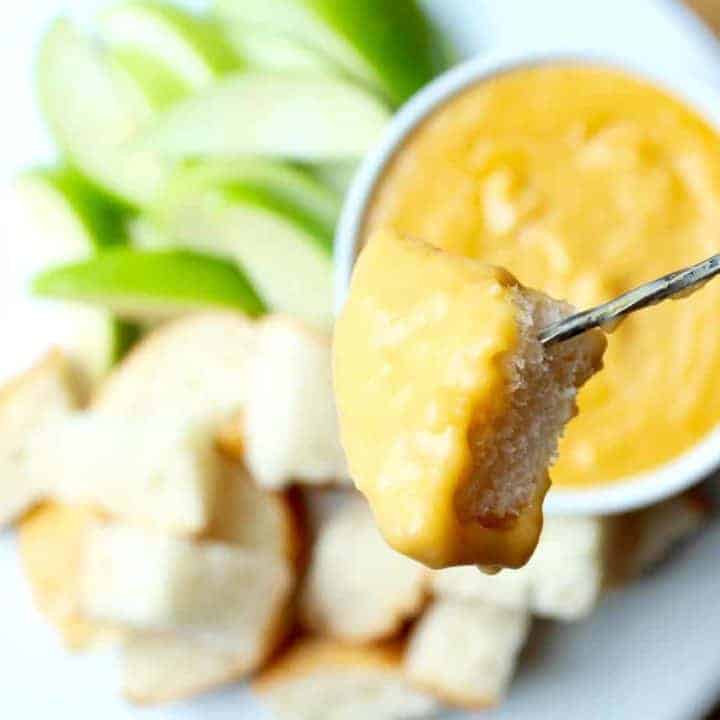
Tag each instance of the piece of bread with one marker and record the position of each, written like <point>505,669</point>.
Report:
<point>155,470</point>
<point>450,406</point>
<point>563,579</point>
<point>254,518</point>
<point>515,450</point>
<point>52,544</point>
<point>196,365</point>
<point>192,375</point>
<point>261,520</point>
<point>167,667</point>
<point>465,653</point>
<point>144,453</point>
<point>325,680</point>
<point>290,422</point>
<point>164,667</point>
<point>35,400</point>
<point>229,597</point>
<point>577,558</point>
<point>357,588</point>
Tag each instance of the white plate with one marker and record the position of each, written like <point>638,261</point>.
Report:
<point>650,653</point>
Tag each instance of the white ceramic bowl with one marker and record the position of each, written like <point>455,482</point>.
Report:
<point>630,492</point>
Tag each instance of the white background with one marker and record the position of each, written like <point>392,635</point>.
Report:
<point>652,652</point>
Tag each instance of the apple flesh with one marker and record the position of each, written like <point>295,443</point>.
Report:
<point>94,111</point>
<point>267,223</point>
<point>293,117</point>
<point>58,217</point>
<point>193,47</point>
<point>151,286</point>
<point>269,51</point>
<point>293,191</point>
<point>388,46</point>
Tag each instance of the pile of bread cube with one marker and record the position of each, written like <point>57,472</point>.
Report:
<point>197,513</point>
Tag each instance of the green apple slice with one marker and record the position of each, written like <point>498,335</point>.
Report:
<point>289,190</point>
<point>144,234</point>
<point>71,219</point>
<point>289,264</point>
<point>301,118</point>
<point>151,286</point>
<point>269,51</point>
<point>193,47</point>
<point>389,46</point>
<point>289,267</point>
<point>62,219</point>
<point>337,176</point>
<point>94,111</point>
<point>161,86</point>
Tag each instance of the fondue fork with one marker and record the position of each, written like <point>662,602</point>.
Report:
<point>676,285</point>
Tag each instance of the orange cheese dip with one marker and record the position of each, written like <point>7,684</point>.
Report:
<point>584,183</point>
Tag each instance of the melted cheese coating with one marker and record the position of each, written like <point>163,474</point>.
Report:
<point>418,362</point>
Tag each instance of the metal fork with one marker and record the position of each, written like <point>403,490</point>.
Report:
<point>676,285</point>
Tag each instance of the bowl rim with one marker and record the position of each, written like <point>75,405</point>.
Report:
<point>627,493</point>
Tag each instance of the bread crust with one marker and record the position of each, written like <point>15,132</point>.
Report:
<point>329,679</point>
<point>51,541</point>
<point>38,397</point>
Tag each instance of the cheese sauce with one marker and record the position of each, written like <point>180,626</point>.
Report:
<point>583,182</point>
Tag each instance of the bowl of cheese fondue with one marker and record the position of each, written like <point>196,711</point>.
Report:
<point>584,176</point>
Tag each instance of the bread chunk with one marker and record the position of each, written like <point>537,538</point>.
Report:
<point>357,588</point>
<point>325,680</point>
<point>578,558</point>
<point>196,365</point>
<point>465,653</point>
<point>160,667</point>
<point>154,470</point>
<point>52,549</point>
<point>35,401</point>
<point>230,597</point>
<point>563,580</point>
<point>167,667</point>
<point>290,421</point>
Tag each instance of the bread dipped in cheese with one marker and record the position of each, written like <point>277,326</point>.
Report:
<point>450,408</point>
